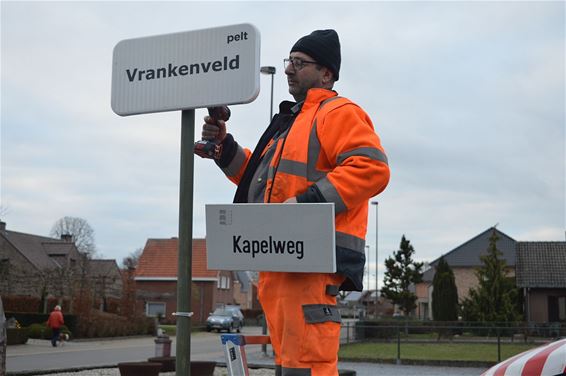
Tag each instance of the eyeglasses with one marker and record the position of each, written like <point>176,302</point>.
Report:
<point>297,63</point>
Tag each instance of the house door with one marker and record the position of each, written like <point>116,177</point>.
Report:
<point>552,308</point>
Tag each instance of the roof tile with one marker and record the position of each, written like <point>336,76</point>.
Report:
<point>541,264</point>
<point>160,259</point>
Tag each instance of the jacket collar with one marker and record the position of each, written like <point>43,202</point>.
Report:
<point>316,95</point>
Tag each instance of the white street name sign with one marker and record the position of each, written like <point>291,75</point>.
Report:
<point>271,237</point>
<point>187,70</point>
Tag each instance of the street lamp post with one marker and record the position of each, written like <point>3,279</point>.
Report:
<point>376,259</point>
<point>367,251</point>
<point>269,70</point>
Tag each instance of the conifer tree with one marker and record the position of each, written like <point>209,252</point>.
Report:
<point>401,272</point>
<point>495,299</point>
<point>444,293</point>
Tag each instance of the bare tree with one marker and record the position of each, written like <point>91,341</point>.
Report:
<point>131,261</point>
<point>81,232</point>
<point>83,236</point>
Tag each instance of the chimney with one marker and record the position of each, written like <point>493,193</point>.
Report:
<point>2,227</point>
<point>67,237</point>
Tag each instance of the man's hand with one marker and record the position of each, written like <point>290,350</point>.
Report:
<point>290,200</point>
<point>213,130</point>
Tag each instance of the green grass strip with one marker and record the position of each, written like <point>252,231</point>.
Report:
<point>475,352</point>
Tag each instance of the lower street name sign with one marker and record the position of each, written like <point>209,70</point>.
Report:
<point>271,237</point>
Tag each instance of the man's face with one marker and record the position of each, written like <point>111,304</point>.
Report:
<point>301,80</point>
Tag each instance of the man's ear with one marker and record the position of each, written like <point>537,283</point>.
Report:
<point>327,77</point>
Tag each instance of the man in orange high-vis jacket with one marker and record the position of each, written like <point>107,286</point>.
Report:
<point>320,148</point>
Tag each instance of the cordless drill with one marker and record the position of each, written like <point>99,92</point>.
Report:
<point>212,149</point>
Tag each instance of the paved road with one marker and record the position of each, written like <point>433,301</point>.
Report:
<point>40,355</point>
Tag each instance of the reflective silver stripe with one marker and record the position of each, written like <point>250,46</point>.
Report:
<point>314,146</point>
<point>350,241</point>
<point>293,167</point>
<point>372,153</point>
<point>285,371</point>
<point>326,101</point>
<point>313,152</point>
<point>320,313</point>
<point>332,290</point>
<point>330,193</point>
<point>272,169</point>
<point>234,167</point>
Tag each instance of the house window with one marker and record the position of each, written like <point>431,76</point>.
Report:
<point>223,283</point>
<point>155,309</point>
<point>5,265</point>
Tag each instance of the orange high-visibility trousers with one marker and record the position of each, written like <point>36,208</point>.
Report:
<point>303,321</point>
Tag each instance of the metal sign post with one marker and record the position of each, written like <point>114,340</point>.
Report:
<point>184,71</point>
<point>184,272</point>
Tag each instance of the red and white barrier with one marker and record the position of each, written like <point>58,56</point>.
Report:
<point>547,360</point>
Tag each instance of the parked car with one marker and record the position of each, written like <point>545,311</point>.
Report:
<point>236,310</point>
<point>225,319</point>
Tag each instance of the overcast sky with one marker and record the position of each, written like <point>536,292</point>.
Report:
<point>467,97</point>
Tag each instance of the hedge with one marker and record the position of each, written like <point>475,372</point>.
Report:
<point>41,331</point>
<point>27,319</point>
<point>16,336</point>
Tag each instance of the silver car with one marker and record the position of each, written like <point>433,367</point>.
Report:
<point>225,319</point>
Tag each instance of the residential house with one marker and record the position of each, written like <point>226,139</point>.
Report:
<point>106,280</point>
<point>156,280</point>
<point>464,260</point>
<point>363,303</point>
<point>245,291</point>
<point>351,305</point>
<point>37,266</point>
<point>47,268</point>
<point>384,307</point>
<point>541,274</point>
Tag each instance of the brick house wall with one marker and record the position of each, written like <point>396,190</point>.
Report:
<point>242,299</point>
<point>156,279</point>
<point>466,279</point>
<point>16,272</point>
<point>206,296</point>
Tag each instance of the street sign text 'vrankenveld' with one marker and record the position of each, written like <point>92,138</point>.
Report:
<point>187,70</point>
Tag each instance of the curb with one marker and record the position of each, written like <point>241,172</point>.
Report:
<point>419,362</point>
<point>409,362</point>
<point>62,370</point>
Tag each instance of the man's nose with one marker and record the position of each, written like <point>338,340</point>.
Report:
<point>289,70</point>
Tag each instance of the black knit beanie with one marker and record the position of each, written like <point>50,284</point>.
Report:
<point>324,47</point>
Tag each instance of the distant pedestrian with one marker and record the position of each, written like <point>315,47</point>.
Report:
<point>55,322</point>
